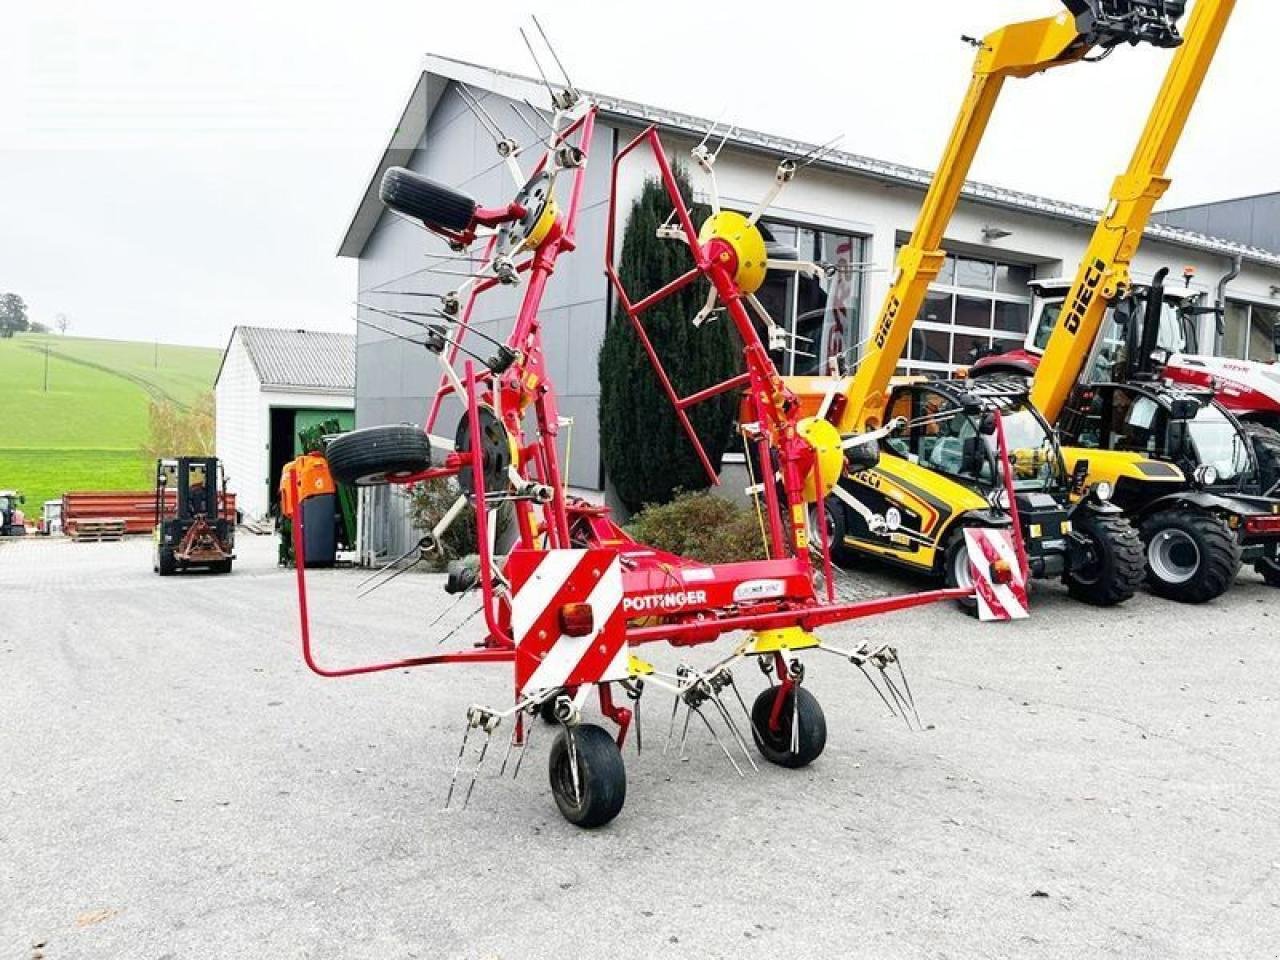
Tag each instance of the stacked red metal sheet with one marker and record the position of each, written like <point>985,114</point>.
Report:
<point>137,508</point>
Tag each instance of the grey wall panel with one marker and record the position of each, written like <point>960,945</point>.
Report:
<point>584,457</point>
<point>395,379</point>
<point>1251,220</point>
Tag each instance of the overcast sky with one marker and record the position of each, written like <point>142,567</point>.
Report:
<point>168,170</point>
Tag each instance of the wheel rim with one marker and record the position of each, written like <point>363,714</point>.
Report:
<point>1173,556</point>
<point>961,572</point>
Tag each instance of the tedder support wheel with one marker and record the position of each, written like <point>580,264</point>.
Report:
<point>1117,568</point>
<point>601,776</point>
<point>377,455</point>
<point>841,555</point>
<point>776,746</point>
<point>956,571</point>
<point>1192,556</point>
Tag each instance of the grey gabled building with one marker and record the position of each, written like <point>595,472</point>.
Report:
<point>848,206</point>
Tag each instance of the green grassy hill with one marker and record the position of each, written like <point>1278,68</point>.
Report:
<point>84,432</point>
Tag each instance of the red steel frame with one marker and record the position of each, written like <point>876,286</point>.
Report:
<point>564,522</point>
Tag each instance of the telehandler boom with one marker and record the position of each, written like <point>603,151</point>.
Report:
<point>1017,50</point>
<point>1103,276</point>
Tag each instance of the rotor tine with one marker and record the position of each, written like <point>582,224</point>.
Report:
<point>879,692</point>
<point>388,566</point>
<point>507,753</point>
<point>896,694</point>
<point>742,703</point>
<point>466,734</point>
<point>684,735</point>
<point>671,730</point>
<point>383,583</point>
<point>528,736</point>
<point>475,771</point>
<point>719,742</point>
<point>537,63</point>
<point>733,728</point>
<point>795,720</point>
<point>907,687</point>
<point>554,56</point>
<point>636,715</point>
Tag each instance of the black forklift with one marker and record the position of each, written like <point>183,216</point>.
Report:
<point>1228,511</point>
<point>194,525</point>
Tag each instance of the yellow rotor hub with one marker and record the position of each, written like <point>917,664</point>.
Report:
<point>542,227</point>
<point>823,436</point>
<point>748,245</point>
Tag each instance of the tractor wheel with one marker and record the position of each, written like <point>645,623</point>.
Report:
<point>165,564</point>
<point>601,776</point>
<point>1192,557</point>
<point>1268,567</point>
<point>1117,570</point>
<point>222,566</point>
<point>956,571</point>
<point>378,455</point>
<point>810,728</point>
<point>837,526</point>
<point>1266,449</point>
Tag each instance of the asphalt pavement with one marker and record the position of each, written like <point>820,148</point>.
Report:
<point>174,783</point>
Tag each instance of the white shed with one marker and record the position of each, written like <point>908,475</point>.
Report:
<point>271,384</point>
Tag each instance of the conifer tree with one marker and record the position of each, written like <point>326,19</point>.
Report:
<point>646,453</point>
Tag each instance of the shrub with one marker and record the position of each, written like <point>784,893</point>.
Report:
<point>701,526</point>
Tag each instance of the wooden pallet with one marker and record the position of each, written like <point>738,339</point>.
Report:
<point>98,529</point>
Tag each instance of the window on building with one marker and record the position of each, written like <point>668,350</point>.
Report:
<point>1248,331</point>
<point>975,305</point>
<point>825,311</point>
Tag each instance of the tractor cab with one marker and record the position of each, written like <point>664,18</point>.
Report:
<point>193,523</point>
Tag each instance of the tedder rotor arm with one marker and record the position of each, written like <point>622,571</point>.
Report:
<point>1017,50</point>
<point>1103,275</point>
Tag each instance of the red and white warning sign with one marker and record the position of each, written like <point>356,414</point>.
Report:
<point>549,591</point>
<point>998,577</point>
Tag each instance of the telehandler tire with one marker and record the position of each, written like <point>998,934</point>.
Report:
<point>841,555</point>
<point>956,572</point>
<point>1269,568</point>
<point>1192,556</point>
<point>377,455</point>
<point>1119,570</point>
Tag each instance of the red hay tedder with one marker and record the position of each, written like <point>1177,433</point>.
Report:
<point>569,605</point>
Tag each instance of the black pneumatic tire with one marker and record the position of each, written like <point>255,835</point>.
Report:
<point>433,203</point>
<point>1214,562</point>
<point>1269,570</point>
<point>166,565</point>
<point>377,455</point>
<point>1120,568</point>
<point>602,777</point>
<point>776,747</point>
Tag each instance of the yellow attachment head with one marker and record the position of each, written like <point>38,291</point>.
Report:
<point>823,436</point>
<point>542,227</point>
<point>747,242</point>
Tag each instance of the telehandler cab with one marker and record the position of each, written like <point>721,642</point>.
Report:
<point>940,486</point>
<point>1229,512</point>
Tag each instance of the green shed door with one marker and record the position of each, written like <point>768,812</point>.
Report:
<point>307,418</point>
